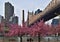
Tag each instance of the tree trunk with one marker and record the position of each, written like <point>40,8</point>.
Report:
<point>20,38</point>
<point>39,38</point>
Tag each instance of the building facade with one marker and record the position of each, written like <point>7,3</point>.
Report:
<point>55,22</point>
<point>15,20</point>
<point>9,10</point>
<point>1,19</point>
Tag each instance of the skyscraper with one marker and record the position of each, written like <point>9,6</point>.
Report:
<point>15,20</point>
<point>55,22</point>
<point>9,11</point>
<point>1,19</point>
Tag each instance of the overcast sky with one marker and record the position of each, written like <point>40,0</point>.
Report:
<point>19,5</point>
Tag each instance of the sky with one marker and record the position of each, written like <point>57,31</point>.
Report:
<point>19,5</point>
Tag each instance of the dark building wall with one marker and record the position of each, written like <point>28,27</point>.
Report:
<point>15,20</point>
<point>55,22</point>
<point>9,10</point>
<point>1,19</point>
